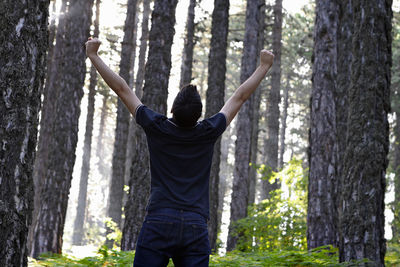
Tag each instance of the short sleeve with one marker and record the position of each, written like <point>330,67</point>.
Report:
<point>145,117</point>
<point>217,123</point>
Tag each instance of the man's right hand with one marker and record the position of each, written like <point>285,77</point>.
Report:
<point>266,58</point>
<point>92,46</point>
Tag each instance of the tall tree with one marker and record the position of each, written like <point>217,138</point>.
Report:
<point>22,69</point>
<point>114,207</point>
<point>272,113</point>
<point>256,111</point>
<point>396,131</point>
<point>241,183</point>
<point>155,92</point>
<point>282,130</point>
<point>215,101</point>
<point>67,83</point>
<point>78,234</point>
<point>187,55</point>
<point>361,213</point>
<point>321,215</point>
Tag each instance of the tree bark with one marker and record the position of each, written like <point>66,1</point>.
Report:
<point>68,82</point>
<point>215,101</point>
<point>155,92</point>
<point>321,214</point>
<point>114,207</point>
<point>100,138</point>
<point>78,234</point>
<point>187,55</point>
<point>273,100</point>
<point>241,182</point>
<point>22,70</point>
<point>361,213</point>
<point>282,133</point>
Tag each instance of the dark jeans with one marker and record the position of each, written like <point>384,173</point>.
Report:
<point>170,233</point>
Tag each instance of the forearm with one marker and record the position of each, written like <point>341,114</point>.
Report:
<point>113,80</point>
<point>250,85</point>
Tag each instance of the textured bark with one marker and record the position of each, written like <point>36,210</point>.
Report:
<point>361,212</point>
<point>282,130</point>
<point>68,82</point>
<point>215,101</point>
<point>155,92</point>
<point>187,55</point>
<point>241,181</point>
<point>321,214</point>
<point>114,207</point>
<point>273,100</point>
<point>78,234</point>
<point>22,67</point>
<point>46,118</point>
<point>256,111</point>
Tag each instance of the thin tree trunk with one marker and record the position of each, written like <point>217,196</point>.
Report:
<point>78,233</point>
<point>68,81</point>
<point>187,55</point>
<point>215,101</point>
<point>155,92</point>
<point>47,117</point>
<point>114,207</point>
<point>361,213</point>
<point>282,134</point>
<point>241,182</point>
<point>256,112</point>
<point>22,70</point>
<point>100,139</point>
<point>321,214</point>
<point>274,98</point>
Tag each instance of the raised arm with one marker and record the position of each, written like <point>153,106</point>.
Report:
<point>116,83</point>
<point>232,106</point>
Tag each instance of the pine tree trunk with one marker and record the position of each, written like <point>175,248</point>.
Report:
<point>215,101</point>
<point>282,133</point>
<point>100,138</point>
<point>361,212</point>
<point>68,81</point>
<point>155,92</point>
<point>321,214</point>
<point>46,118</point>
<point>78,233</point>
<point>114,207</point>
<point>187,55</point>
<point>273,100</point>
<point>22,70</point>
<point>256,111</point>
<point>241,181</point>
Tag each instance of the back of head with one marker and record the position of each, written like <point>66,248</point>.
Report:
<point>187,106</point>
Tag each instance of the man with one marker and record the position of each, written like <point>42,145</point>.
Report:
<point>181,150</point>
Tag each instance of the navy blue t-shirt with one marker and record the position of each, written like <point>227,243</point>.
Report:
<point>180,160</point>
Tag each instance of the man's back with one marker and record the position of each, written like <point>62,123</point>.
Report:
<point>180,160</point>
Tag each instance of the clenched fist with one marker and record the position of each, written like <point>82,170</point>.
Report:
<point>266,58</point>
<point>92,46</point>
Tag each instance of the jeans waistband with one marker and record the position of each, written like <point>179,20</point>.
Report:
<point>177,213</point>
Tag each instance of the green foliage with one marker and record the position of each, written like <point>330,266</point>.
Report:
<point>280,221</point>
<point>392,257</point>
<point>116,234</point>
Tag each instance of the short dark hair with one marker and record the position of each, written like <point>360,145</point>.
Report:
<point>187,106</point>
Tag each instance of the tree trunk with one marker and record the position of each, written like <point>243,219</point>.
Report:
<point>78,233</point>
<point>215,101</point>
<point>256,111</point>
<point>100,139</point>
<point>114,207</point>
<point>321,214</point>
<point>46,118</point>
<point>155,92</point>
<point>187,55</point>
<point>68,82</point>
<point>365,161</point>
<point>22,70</point>
<point>274,98</point>
<point>241,182</point>
<point>282,133</point>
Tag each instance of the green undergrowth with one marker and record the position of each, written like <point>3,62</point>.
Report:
<point>324,256</point>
